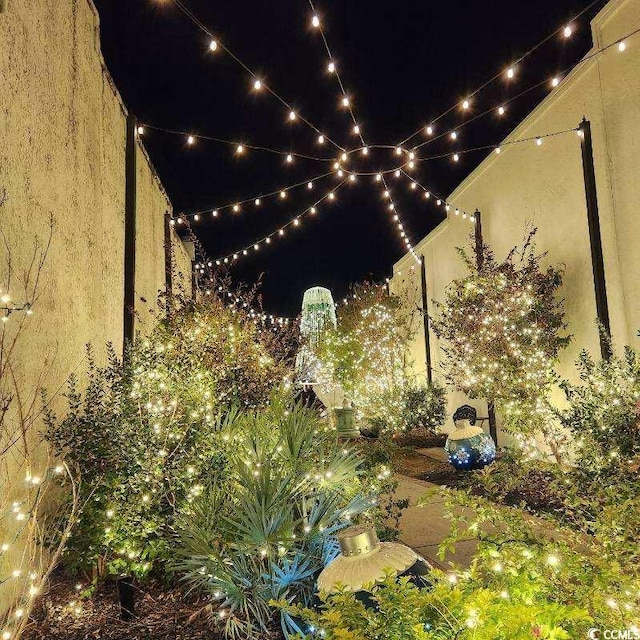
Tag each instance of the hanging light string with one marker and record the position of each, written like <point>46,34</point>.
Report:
<point>236,206</point>
<point>380,175</point>
<point>455,156</point>
<point>554,82</point>
<point>428,194</point>
<point>332,67</point>
<point>395,216</point>
<point>258,83</point>
<point>240,147</point>
<point>281,231</point>
<point>566,31</point>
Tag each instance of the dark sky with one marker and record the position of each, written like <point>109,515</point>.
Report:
<point>403,61</point>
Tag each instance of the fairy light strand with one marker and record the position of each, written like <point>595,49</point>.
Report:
<point>294,115</point>
<point>512,64</point>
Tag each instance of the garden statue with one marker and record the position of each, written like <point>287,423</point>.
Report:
<point>364,560</point>
<point>469,447</point>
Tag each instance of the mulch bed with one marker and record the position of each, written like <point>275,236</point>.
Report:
<point>163,613</point>
<point>419,439</point>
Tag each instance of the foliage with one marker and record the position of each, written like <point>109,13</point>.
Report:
<point>604,413</point>
<point>501,326</point>
<point>423,405</point>
<point>367,354</point>
<point>269,528</point>
<point>147,431</point>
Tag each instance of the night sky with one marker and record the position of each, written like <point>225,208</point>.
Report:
<point>402,61</point>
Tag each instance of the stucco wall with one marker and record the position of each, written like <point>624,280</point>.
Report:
<point>543,186</point>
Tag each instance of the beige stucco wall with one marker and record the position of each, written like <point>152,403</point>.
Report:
<point>543,186</point>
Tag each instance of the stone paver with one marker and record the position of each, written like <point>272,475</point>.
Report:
<point>423,528</point>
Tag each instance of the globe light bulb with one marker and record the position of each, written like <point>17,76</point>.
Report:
<point>240,149</point>
<point>257,202</point>
<point>345,101</point>
<point>567,31</point>
<point>320,139</point>
<point>315,22</point>
<point>454,135</point>
<point>190,140</point>
<point>292,116</point>
<point>283,195</point>
<point>511,72</point>
<point>466,104</point>
<point>356,130</point>
<point>622,46</point>
<point>257,85</point>
<point>331,67</point>
<point>140,130</point>
<point>289,158</point>
<point>539,141</point>
<point>309,185</point>
<point>456,157</point>
<point>501,111</point>
<point>213,45</point>
<point>429,130</point>
<point>555,82</point>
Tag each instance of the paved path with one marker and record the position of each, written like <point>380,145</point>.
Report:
<point>423,528</point>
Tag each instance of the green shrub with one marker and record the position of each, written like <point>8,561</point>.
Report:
<point>267,531</point>
<point>423,406</point>
<point>147,433</point>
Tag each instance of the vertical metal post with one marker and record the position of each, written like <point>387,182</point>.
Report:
<point>168,262</point>
<point>130,233</point>
<point>595,238</point>
<point>491,410</point>
<point>425,320</point>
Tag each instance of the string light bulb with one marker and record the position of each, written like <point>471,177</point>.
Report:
<point>331,67</point>
<point>622,45</point>
<point>191,140</point>
<point>321,139</point>
<point>309,185</point>
<point>140,130</point>
<point>555,82</point>
<point>213,45</point>
<point>315,22</point>
<point>429,130</point>
<point>289,158</point>
<point>345,101</point>
<point>283,195</point>
<point>501,111</point>
<point>356,130</point>
<point>567,31</point>
<point>257,84</point>
<point>454,135</point>
<point>539,141</point>
<point>466,104</point>
<point>293,116</point>
<point>240,149</point>
<point>456,157</point>
<point>511,72</point>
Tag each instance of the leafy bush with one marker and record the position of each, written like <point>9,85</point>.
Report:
<point>367,354</point>
<point>268,529</point>
<point>147,433</point>
<point>423,406</point>
<point>604,413</point>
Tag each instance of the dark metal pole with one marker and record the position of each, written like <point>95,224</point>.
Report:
<point>491,410</point>
<point>425,320</point>
<point>130,233</point>
<point>168,261</point>
<point>595,238</point>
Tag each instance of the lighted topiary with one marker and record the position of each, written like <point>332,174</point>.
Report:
<point>500,328</point>
<point>147,432</point>
<point>367,354</point>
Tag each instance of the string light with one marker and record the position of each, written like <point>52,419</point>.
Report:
<point>257,85</point>
<point>501,111</point>
<point>315,22</point>
<point>622,45</point>
<point>331,67</point>
<point>511,72</point>
<point>213,45</point>
<point>567,31</point>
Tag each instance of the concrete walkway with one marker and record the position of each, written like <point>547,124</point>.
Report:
<point>423,528</point>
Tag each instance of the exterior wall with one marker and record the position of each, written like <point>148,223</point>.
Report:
<point>544,187</point>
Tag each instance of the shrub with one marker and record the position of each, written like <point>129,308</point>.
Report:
<point>147,433</point>
<point>268,529</point>
<point>423,406</point>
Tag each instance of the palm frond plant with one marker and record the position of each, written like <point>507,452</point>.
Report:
<point>267,532</point>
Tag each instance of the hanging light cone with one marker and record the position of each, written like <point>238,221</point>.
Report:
<point>364,560</point>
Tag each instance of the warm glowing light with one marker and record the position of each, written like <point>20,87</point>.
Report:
<point>429,130</point>
<point>196,218</point>
<point>352,178</point>
<point>567,31</point>
<point>356,130</point>
<point>345,101</point>
<point>498,150</point>
<point>240,149</point>
<point>538,141</point>
<point>331,67</point>
<point>456,157</point>
<point>236,208</point>
<point>555,82</point>
<point>365,151</point>
<point>344,157</point>
<point>332,196</point>
<point>141,131</point>
<point>398,151</point>
<point>257,85</point>
<point>315,22</point>
<point>313,211</point>
<point>397,173</point>
<point>378,177</point>
<point>190,140</point>
<point>320,139</point>
<point>213,45</point>
<point>454,135</point>
<point>511,72</point>
<point>283,195</point>
<point>292,116</point>
<point>309,185</point>
<point>622,46</point>
<point>257,202</point>
<point>289,158</point>
<point>501,111</point>
<point>296,222</point>
<point>281,232</point>
<point>214,213</point>
<point>466,104</point>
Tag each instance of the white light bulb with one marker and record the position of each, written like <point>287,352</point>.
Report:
<point>427,195</point>
<point>344,157</point>
<point>511,72</point>
<point>283,195</point>
<point>331,67</point>
<point>332,196</point>
<point>454,135</point>
<point>309,185</point>
<point>281,232</point>
<point>257,85</point>
<point>567,31</point>
<point>214,213</point>
<point>213,45</point>
<point>345,101</point>
<point>498,150</point>
<point>289,158</point>
<point>315,22</point>
<point>538,141</point>
<point>378,177</point>
<point>292,115</point>
<point>196,217</point>
<point>236,208</point>
<point>190,140</point>
<point>313,211</point>
<point>456,157</point>
<point>466,104</point>
<point>622,46</point>
<point>257,202</point>
<point>352,178</point>
<point>413,185</point>
<point>256,247</point>
<point>365,151</point>
<point>429,130</point>
<point>140,131</point>
<point>397,173</point>
<point>296,222</point>
<point>501,111</point>
<point>356,130</point>
<point>398,151</point>
<point>320,139</point>
<point>240,149</point>
<point>555,82</point>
